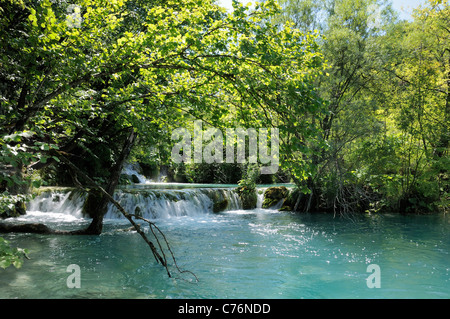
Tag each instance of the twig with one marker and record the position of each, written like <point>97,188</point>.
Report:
<point>153,225</point>
<point>162,259</point>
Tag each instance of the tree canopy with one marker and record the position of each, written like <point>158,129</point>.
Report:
<point>361,99</point>
<point>386,122</point>
<point>77,77</point>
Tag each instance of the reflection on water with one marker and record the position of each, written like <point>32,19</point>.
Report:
<point>242,254</point>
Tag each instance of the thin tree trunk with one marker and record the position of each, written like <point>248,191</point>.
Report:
<point>97,201</point>
<point>160,256</point>
<point>99,204</point>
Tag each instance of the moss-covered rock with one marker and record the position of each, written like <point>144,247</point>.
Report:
<point>273,196</point>
<point>138,211</point>
<point>219,199</point>
<point>249,200</point>
<point>293,199</point>
<point>248,197</point>
<point>220,206</point>
<point>135,179</point>
<point>18,209</point>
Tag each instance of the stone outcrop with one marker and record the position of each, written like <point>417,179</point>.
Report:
<point>275,196</point>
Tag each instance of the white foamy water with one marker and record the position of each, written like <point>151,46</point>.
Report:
<point>148,201</point>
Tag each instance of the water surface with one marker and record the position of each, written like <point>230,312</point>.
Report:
<point>260,253</point>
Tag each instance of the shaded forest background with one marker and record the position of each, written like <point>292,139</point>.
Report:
<point>361,98</point>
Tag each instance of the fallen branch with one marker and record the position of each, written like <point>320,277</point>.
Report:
<point>38,228</point>
<point>162,259</point>
<point>153,226</point>
<point>34,228</point>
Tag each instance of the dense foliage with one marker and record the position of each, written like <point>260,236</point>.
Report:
<point>388,105</point>
<point>147,66</point>
<point>361,99</point>
<point>79,78</point>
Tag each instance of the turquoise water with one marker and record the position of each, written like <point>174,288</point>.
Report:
<point>241,254</point>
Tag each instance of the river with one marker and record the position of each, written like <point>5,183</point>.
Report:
<point>259,253</point>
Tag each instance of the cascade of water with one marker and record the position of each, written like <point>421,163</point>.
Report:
<point>155,203</point>
<point>132,171</point>
<point>260,197</point>
<point>61,201</point>
<point>234,202</point>
<point>148,202</point>
<point>166,203</point>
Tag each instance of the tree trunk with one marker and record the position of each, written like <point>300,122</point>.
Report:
<point>96,204</point>
<point>26,228</point>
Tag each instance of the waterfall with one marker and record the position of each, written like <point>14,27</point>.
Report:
<point>149,200</point>
<point>167,203</point>
<point>155,204</point>
<point>260,196</point>
<point>65,201</point>
<point>152,201</point>
<point>132,171</point>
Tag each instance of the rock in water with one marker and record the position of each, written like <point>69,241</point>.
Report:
<point>248,197</point>
<point>220,206</point>
<point>273,195</point>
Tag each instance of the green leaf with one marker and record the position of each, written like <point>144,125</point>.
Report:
<point>36,184</point>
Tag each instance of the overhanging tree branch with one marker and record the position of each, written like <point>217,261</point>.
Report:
<point>159,256</point>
